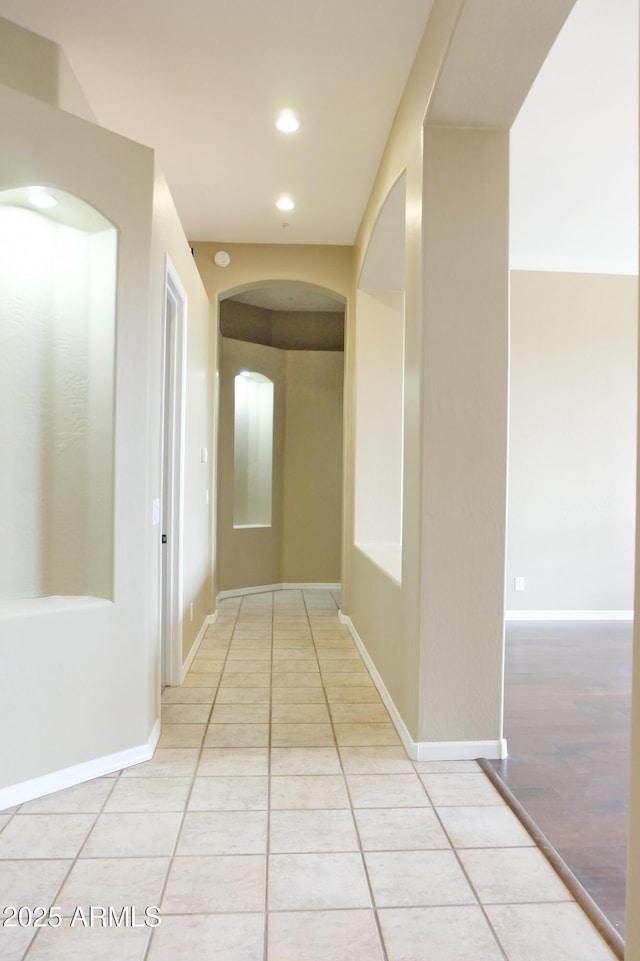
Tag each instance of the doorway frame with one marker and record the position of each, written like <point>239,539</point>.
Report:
<point>174,325</point>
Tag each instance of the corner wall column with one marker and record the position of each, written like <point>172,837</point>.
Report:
<point>465,401</point>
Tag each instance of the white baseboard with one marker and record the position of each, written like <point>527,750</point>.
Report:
<point>569,615</point>
<point>424,750</point>
<point>213,617</point>
<point>265,588</point>
<point>78,773</point>
<point>195,646</point>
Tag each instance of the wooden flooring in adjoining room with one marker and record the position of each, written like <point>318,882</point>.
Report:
<point>567,720</point>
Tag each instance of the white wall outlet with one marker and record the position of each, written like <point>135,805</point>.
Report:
<point>204,455</point>
<point>206,496</point>
<point>519,583</point>
<point>191,610</point>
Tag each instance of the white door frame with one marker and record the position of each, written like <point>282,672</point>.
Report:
<point>171,510</point>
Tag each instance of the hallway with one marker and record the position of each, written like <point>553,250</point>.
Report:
<point>280,819</point>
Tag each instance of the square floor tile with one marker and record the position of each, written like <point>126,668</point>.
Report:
<point>240,714</point>
<point>247,761</point>
<point>188,695</point>
<point>340,665</point>
<point>78,943</point>
<point>295,665</point>
<point>200,885</point>
<point>323,936</point>
<point>186,713</point>
<point>386,791</point>
<point>237,735</point>
<point>361,735</point>
<point>298,695</point>
<point>150,794</point>
<point>254,666</point>
<point>438,934</point>
<point>316,881</point>
<point>302,735</point>
<point>31,882</point>
<point>44,836</point>
<point>208,937</point>
<point>306,792</point>
<point>299,714</point>
<point>166,762</point>
<point>181,735</point>
<point>243,695</point>
<point>512,875</point>
<point>297,679</point>
<point>208,680</point>
<point>246,679</point>
<point>132,836</point>
<point>223,832</point>
<point>460,789</point>
<point>136,882</point>
<point>537,932</point>
<point>446,767</point>
<point>400,829</point>
<point>353,695</point>
<point>87,798</point>
<point>229,793</point>
<point>305,760</point>
<point>375,713</point>
<point>417,878</point>
<point>297,832</point>
<point>483,827</point>
<point>375,760</point>
<point>346,679</point>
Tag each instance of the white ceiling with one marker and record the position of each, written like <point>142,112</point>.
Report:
<point>203,80</point>
<point>574,148</point>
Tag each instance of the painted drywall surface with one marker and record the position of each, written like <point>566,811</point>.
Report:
<point>574,149</point>
<point>465,432</point>
<point>28,62</point>
<point>328,268</point>
<point>57,287</point>
<point>399,617</point>
<point>89,696</point>
<point>312,493</point>
<point>379,416</point>
<point>197,579</point>
<point>572,444</point>
<point>249,557</point>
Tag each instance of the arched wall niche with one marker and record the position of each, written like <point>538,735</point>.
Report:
<point>58,261</point>
<point>379,378</point>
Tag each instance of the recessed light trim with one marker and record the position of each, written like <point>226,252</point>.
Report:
<point>285,203</point>
<point>287,121</point>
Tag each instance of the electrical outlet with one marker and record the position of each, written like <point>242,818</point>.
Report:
<point>519,583</point>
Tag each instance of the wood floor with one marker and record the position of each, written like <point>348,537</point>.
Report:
<point>567,715</point>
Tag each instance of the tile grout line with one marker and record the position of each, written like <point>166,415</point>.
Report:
<point>265,929</point>
<point>374,907</point>
<point>172,855</point>
<point>494,933</point>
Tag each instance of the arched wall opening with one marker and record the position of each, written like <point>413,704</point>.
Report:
<point>285,454</point>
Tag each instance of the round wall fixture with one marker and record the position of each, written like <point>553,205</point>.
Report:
<point>222,258</point>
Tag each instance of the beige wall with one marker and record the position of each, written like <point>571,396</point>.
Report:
<point>572,445</point>
<point>257,265</point>
<point>249,557</point>
<point>302,545</point>
<point>196,576</point>
<point>90,656</point>
<point>312,494</point>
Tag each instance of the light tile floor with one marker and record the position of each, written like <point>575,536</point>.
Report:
<point>281,819</point>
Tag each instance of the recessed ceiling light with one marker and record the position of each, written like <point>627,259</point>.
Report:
<point>40,198</point>
<point>285,203</point>
<point>287,122</point>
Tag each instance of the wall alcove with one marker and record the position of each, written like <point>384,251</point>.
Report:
<point>57,295</point>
